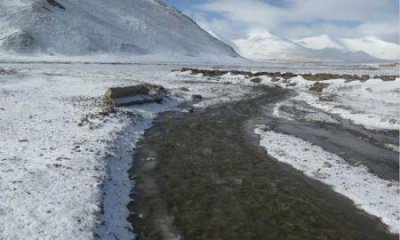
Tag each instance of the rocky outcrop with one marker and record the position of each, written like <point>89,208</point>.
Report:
<point>287,75</point>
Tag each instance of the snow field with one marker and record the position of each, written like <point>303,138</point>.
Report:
<point>63,162</point>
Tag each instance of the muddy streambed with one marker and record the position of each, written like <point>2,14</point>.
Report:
<point>202,175</point>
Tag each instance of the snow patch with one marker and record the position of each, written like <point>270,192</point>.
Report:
<point>373,104</point>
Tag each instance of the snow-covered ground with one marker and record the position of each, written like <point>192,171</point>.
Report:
<point>64,162</point>
<point>373,104</point>
<point>57,147</point>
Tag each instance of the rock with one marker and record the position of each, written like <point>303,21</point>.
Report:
<point>57,165</point>
<point>364,78</point>
<point>83,121</point>
<point>388,78</point>
<point>264,128</point>
<point>216,73</point>
<point>185,89</point>
<point>276,76</point>
<point>288,75</point>
<point>389,65</point>
<point>329,98</point>
<point>256,80</point>
<point>275,79</point>
<point>355,163</point>
<point>321,76</point>
<point>197,97</point>
<point>319,87</point>
<point>77,148</point>
<point>133,95</point>
<point>104,113</point>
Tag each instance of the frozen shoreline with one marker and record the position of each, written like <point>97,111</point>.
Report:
<point>117,185</point>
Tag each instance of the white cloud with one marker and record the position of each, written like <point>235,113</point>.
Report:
<point>249,11</point>
<point>386,30</point>
<point>344,10</point>
<point>298,18</point>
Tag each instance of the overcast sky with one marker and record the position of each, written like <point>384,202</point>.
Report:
<point>234,19</point>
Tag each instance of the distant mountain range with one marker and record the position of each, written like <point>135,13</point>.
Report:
<point>265,46</point>
<point>137,28</point>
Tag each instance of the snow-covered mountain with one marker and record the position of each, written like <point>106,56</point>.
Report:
<point>265,46</point>
<point>371,45</point>
<point>320,42</point>
<point>118,27</point>
<point>374,47</point>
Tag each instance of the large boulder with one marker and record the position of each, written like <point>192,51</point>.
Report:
<point>139,94</point>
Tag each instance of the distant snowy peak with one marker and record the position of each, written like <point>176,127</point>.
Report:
<point>257,36</point>
<point>321,42</point>
<point>119,27</point>
<point>374,47</point>
<point>266,46</point>
<point>371,45</point>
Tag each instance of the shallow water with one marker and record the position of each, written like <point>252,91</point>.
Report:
<point>202,175</point>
